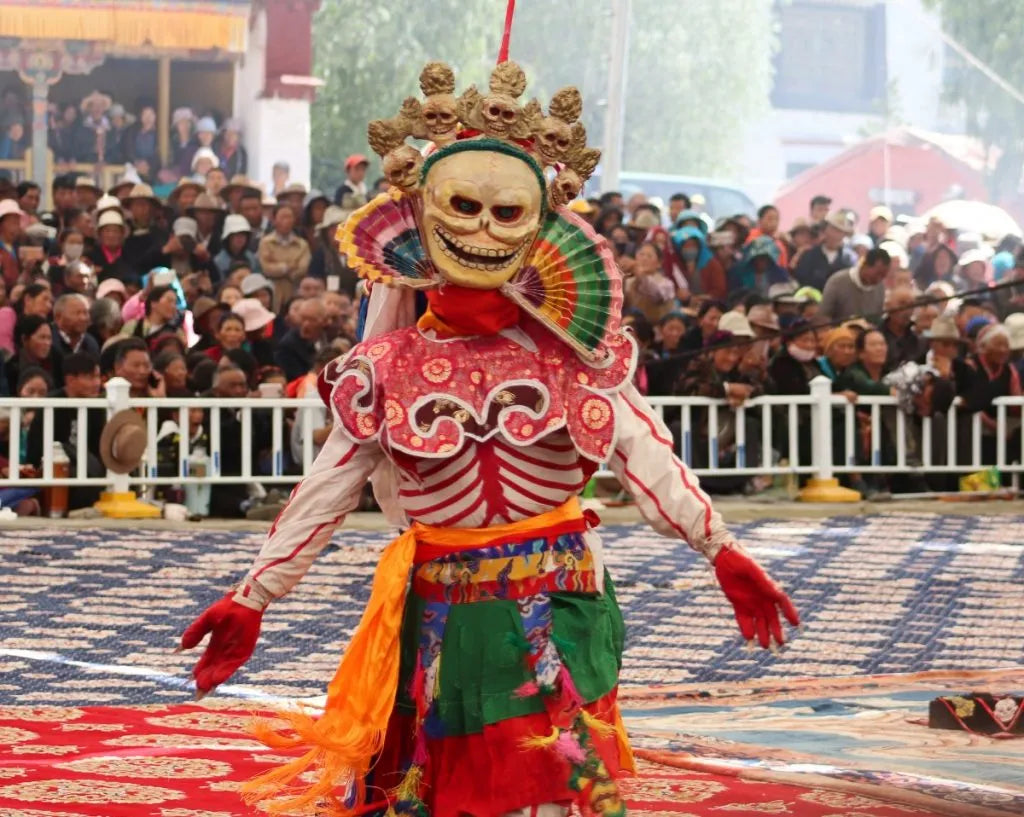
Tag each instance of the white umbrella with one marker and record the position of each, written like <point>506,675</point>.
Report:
<point>976,217</point>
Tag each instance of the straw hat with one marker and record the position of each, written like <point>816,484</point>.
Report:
<point>841,221</point>
<point>204,201</point>
<point>239,182</point>
<point>87,183</point>
<point>123,442</point>
<point>254,282</point>
<point>253,314</point>
<point>104,101</point>
<point>145,193</point>
<point>108,202</point>
<point>736,324</point>
<point>334,215</point>
<point>182,184</point>
<point>294,189</point>
<point>1015,326</point>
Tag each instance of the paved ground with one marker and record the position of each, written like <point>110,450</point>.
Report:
<point>90,615</point>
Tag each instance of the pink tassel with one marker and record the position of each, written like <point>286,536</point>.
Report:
<point>571,698</point>
<point>569,748</point>
<point>419,755</point>
<point>418,689</point>
<point>528,690</point>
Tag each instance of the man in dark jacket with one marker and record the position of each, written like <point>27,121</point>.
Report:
<point>70,326</point>
<point>819,263</point>
<point>296,353</point>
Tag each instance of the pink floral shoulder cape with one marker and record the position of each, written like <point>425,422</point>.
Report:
<point>423,396</point>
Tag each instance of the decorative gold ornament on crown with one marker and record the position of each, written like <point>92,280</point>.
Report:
<point>556,140</point>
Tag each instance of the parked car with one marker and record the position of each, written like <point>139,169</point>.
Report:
<point>720,199</point>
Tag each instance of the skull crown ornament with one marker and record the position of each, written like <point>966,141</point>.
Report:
<point>556,140</point>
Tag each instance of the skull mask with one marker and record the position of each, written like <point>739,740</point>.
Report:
<point>481,211</point>
<point>501,114</point>
<point>440,119</point>
<point>402,167</point>
<point>565,187</point>
<point>553,140</point>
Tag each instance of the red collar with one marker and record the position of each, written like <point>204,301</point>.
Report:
<point>457,311</point>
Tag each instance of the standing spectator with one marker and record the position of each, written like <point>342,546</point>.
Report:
<point>140,143</point>
<point>202,140</point>
<point>714,278</point>
<point>694,257</point>
<point>988,375</point>
<point>70,325</point>
<point>879,222</point>
<point>297,350</point>
<point>91,135</point>
<point>649,289</point>
<point>34,345</point>
<point>326,260</point>
<point>857,291</point>
<point>61,135</point>
<point>284,257</point>
<point>250,205</point>
<point>801,239</point>
<point>87,193</point>
<point>182,145</point>
<point>203,161</point>
<point>819,209</point>
<point>207,212</point>
<point>936,265</point>
<point>12,142</point>
<point>898,327</point>
<point>113,147</point>
<point>226,500</point>
<point>973,272</point>
<point>294,195</point>
<point>313,209</point>
<point>355,180</point>
<point>709,313</point>
<point>62,199</point>
<point>768,225</point>
<point>279,174</point>
<point>233,158</point>
<point>668,359</point>
<point>676,204</point>
<point>819,263</point>
<point>10,229</point>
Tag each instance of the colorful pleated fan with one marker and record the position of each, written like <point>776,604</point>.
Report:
<point>570,282</point>
<point>381,241</point>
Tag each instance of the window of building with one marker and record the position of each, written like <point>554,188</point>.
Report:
<point>831,57</point>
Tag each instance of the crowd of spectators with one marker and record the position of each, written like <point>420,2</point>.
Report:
<point>740,307</point>
<point>221,289</point>
<point>218,290</point>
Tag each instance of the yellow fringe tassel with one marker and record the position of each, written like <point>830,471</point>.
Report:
<point>542,741</point>
<point>409,788</point>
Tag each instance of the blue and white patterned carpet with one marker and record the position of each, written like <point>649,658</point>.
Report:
<point>92,617</point>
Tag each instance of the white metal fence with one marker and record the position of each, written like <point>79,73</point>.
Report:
<point>818,432</point>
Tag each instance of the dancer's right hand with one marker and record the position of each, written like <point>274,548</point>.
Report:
<point>235,629</point>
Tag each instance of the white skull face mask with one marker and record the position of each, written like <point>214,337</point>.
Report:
<point>481,211</point>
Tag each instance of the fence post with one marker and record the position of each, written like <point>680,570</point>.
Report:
<point>823,487</point>
<point>120,502</point>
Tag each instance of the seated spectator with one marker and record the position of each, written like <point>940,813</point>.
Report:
<point>649,290</point>
<point>320,423</point>
<point>36,299</point>
<point>686,260</point>
<point>974,272</point>
<point>714,278</point>
<point>10,232</point>
<point>988,375</point>
<point>230,335</point>
<point>235,248</point>
<point>297,350</point>
<point>709,313</point>
<point>226,500</point>
<point>326,260</point>
<point>34,343</point>
<point>716,374</point>
<point>108,256</point>
<point>230,295</point>
<point>667,359</point>
<point>794,366</point>
<point>898,327</point>
<point>81,382</point>
<point>105,320</point>
<point>258,322</point>
<point>132,362</point>
<point>162,317</point>
<point>70,326</point>
<point>838,353</point>
<point>759,269</point>
<point>865,376</point>
<point>171,366</point>
<point>857,291</point>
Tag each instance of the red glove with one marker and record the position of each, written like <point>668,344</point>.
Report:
<point>235,629</point>
<point>754,596</point>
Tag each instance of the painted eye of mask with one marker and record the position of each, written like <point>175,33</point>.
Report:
<point>506,212</point>
<point>466,206</point>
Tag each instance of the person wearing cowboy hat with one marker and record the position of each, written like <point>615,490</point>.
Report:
<point>208,213</point>
<point>326,260</point>
<point>87,193</point>
<point>294,195</point>
<point>819,263</point>
<point>107,257</point>
<point>234,189</point>
<point>184,195</point>
<point>235,247</point>
<point>143,246</point>
<point>89,141</point>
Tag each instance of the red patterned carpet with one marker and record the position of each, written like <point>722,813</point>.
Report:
<point>187,761</point>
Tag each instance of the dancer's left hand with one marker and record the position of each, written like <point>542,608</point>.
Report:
<point>755,597</point>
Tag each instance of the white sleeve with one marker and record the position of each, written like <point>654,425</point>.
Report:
<point>666,491</point>
<point>303,528</point>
